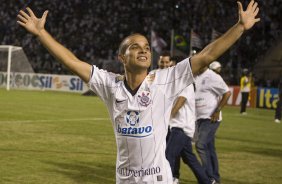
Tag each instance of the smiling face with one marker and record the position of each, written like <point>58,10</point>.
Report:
<point>135,53</point>
<point>164,62</point>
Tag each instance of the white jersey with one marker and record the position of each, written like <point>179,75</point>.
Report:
<point>140,121</point>
<point>185,118</point>
<point>209,89</point>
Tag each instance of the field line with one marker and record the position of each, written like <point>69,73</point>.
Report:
<point>54,120</point>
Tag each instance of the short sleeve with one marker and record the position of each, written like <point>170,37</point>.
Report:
<point>174,79</point>
<point>102,83</point>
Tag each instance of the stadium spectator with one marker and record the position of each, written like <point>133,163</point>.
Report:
<point>245,88</point>
<point>131,99</point>
<point>212,94</point>
<point>110,21</point>
<point>279,104</point>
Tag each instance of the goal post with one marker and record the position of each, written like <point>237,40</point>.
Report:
<point>13,59</point>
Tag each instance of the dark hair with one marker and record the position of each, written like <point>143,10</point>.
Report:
<point>124,44</point>
<point>165,53</point>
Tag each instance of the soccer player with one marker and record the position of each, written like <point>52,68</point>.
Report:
<point>212,94</point>
<point>139,104</point>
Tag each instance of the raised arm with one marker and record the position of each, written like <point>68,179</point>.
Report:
<point>215,49</point>
<point>35,26</point>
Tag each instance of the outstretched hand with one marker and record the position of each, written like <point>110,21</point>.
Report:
<point>30,22</point>
<point>248,18</point>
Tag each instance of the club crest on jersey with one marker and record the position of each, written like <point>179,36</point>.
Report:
<point>132,127</point>
<point>144,98</point>
<point>132,117</point>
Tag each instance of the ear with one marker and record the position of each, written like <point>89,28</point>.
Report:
<point>121,58</point>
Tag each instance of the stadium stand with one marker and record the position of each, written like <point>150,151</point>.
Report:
<point>93,29</point>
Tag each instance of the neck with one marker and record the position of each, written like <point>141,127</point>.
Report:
<point>135,79</point>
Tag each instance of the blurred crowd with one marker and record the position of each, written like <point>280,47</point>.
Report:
<point>93,29</point>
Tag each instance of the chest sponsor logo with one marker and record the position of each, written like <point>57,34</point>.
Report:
<point>133,128</point>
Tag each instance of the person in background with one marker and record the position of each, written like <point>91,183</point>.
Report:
<point>212,94</point>
<point>245,88</point>
<point>164,60</point>
<point>279,103</point>
<point>179,140</point>
<point>216,67</point>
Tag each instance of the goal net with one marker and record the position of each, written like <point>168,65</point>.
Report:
<point>13,59</point>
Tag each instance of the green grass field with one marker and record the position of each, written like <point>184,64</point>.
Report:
<point>65,138</point>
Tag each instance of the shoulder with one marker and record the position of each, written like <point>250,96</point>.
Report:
<point>151,77</point>
<point>103,76</point>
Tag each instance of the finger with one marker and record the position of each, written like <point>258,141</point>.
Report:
<point>21,23</point>
<point>21,18</point>
<point>240,7</point>
<point>255,6</point>
<point>25,15</point>
<point>250,4</point>
<point>30,12</point>
<point>256,12</point>
<point>45,14</point>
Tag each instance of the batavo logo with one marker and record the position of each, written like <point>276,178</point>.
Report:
<point>132,128</point>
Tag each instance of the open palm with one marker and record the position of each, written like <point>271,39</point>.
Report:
<point>248,18</point>
<point>30,22</point>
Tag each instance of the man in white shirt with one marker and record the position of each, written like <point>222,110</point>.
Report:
<point>211,95</point>
<point>139,104</point>
<point>182,128</point>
